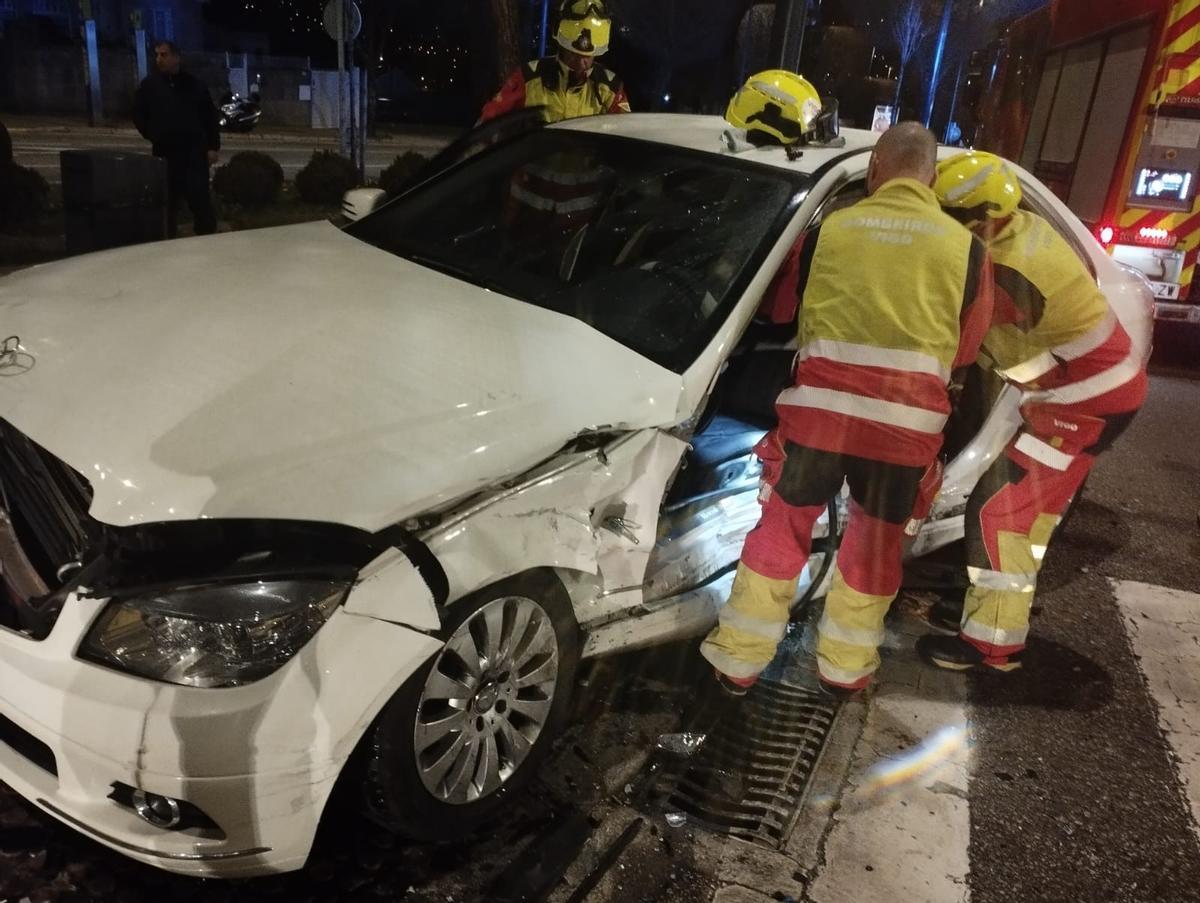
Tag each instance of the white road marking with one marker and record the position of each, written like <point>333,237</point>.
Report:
<point>1164,627</point>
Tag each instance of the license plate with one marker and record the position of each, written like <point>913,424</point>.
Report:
<point>1165,291</point>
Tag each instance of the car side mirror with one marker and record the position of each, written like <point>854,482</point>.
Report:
<point>358,202</point>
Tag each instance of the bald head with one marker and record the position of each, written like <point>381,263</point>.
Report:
<point>907,150</point>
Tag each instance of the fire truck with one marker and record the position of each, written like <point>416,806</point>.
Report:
<point>1101,100</point>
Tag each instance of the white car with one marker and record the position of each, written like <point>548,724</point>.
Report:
<point>288,506</point>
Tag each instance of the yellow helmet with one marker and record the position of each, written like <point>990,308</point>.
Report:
<point>977,186</point>
<point>584,27</point>
<point>776,106</point>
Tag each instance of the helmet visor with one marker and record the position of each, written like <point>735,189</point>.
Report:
<point>584,9</point>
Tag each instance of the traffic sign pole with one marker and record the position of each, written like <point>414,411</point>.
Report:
<point>343,22</point>
<point>340,29</point>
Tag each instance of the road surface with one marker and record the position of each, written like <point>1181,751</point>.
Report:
<point>38,147</point>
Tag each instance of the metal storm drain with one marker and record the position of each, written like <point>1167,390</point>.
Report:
<point>748,778</point>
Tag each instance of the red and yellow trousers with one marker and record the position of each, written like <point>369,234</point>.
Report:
<point>797,489</point>
<point>1020,500</point>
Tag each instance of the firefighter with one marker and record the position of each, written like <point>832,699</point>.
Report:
<point>896,295</point>
<point>1054,336</point>
<point>570,84</point>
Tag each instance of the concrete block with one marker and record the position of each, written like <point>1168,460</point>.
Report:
<point>734,894</point>
<point>761,869</point>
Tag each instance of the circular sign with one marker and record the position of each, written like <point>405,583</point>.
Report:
<point>351,19</point>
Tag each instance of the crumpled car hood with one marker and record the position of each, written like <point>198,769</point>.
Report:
<point>299,373</point>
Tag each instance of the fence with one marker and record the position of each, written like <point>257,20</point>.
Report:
<point>52,79</point>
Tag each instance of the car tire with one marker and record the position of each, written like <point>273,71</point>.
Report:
<point>440,763</point>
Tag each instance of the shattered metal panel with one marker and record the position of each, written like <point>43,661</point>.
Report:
<point>596,513</point>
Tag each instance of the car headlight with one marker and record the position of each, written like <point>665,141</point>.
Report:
<point>215,635</point>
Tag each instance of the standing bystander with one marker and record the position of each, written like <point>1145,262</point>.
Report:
<point>175,113</point>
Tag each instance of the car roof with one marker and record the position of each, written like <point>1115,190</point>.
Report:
<point>703,133</point>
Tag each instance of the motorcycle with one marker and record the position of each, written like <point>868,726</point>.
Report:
<point>237,114</point>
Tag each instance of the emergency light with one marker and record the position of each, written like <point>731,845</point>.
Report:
<point>1145,236</point>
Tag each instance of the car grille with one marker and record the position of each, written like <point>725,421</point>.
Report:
<point>46,502</point>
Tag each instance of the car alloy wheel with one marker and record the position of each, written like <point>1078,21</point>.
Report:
<point>486,700</point>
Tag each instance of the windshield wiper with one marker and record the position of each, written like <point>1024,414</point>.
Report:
<point>458,272</point>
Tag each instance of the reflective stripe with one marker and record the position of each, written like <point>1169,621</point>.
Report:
<point>918,419</point>
<point>561,177</point>
<point>830,630</point>
<point>538,202</point>
<point>729,665</point>
<point>1039,366</point>
<point>1001,582</point>
<point>774,91</point>
<point>870,356</point>
<point>961,190</point>
<point>1089,341</point>
<point>760,627</point>
<point>1092,387</point>
<point>995,636</point>
<point>1038,552</point>
<point>1032,369</point>
<point>1043,451</point>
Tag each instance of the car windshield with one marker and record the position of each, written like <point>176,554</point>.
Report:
<point>650,244</point>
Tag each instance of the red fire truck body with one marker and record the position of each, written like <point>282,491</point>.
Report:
<point>1102,102</point>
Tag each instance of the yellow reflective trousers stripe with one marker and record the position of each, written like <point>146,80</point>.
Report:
<point>752,624</point>
<point>996,608</point>
<point>850,632</point>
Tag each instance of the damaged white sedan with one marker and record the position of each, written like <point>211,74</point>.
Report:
<point>307,504</point>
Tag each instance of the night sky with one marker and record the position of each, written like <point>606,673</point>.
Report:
<point>687,62</point>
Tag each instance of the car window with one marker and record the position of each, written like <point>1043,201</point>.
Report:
<point>649,244</point>
<point>476,141</point>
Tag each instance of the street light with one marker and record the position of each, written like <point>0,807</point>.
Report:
<point>943,32</point>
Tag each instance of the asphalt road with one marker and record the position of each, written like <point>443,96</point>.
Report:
<point>1074,793</point>
<point>38,147</point>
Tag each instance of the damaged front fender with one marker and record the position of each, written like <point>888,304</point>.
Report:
<point>392,588</point>
<point>593,512</point>
<point>590,515</point>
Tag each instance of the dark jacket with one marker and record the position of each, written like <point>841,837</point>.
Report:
<point>175,113</point>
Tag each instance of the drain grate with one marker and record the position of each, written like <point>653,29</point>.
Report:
<point>749,778</point>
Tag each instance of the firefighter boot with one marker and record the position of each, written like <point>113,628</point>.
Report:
<point>945,614</point>
<point>836,693</point>
<point>953,653</point>
<point>734,687</point>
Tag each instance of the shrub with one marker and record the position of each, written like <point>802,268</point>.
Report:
<point>24,196</point>
<point>325,178</point>
<point>249,179</point>
<point>5,146</point>
<point>398,173</point>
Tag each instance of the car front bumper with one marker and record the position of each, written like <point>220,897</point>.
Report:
<point>259,760</point>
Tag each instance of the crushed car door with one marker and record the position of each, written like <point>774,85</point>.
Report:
<point>626,521</point>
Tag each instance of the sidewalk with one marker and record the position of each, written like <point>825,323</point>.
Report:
<point>391,133</point>
<point>885,818</point>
